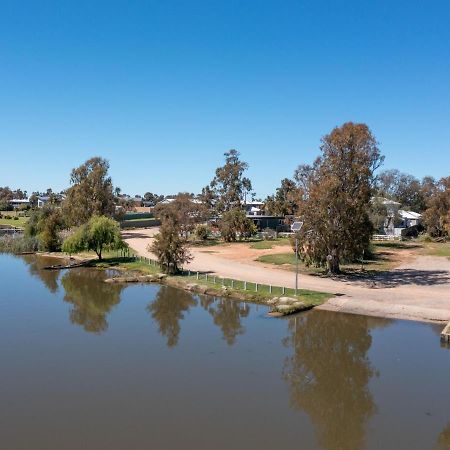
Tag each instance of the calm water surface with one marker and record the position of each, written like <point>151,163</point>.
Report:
<point>88,365</point>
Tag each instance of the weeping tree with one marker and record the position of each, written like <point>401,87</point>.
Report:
<point>337,190</point>
<point>99,234</point>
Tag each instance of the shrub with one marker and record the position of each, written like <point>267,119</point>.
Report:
<point>202,231</point>
<point>234,224</point>
<point>18,244</point>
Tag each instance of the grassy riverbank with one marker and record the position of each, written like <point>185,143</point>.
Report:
<point>211,285</point>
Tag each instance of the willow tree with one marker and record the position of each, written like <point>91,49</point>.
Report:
<point>337,190</point>
<point>91,193</point>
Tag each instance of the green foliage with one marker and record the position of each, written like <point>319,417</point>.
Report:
<point>46,224</point>
<point>91,193</point>
<point>234,224</point>
<point>229,188</point>
<point>202,231</point>
<point>336,200</point>
<point>285,200</point>
<point>169,246</point>
<point>184,210</point>
<point>437,216</point>
<point>99,234</point>
<point>18,244</point>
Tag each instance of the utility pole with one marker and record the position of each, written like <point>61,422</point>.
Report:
<point>296,266</point>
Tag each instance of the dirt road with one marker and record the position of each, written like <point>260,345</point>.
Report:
<point>417,290</point>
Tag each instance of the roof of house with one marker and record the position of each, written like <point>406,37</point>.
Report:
<point>255,203</point>
<point>409,214</point>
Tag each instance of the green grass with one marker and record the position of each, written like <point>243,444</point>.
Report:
<point>125,264</point>
<point>264,291</point>
<point>278,259</point>
<point>268,244</point>
<point>378,263</point>
<point>20,222</point>
<point>438,249</point>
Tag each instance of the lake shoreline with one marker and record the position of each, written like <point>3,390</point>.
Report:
<point>342,304</point>
<point>280,305</point>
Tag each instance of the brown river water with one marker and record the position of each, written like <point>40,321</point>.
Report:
<point>90,365</point>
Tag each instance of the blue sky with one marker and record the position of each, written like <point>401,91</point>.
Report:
<point>163,88</point>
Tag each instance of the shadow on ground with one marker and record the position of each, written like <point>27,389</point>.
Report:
<point>400,277</point>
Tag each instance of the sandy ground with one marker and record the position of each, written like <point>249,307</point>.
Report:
<point>419,289</point>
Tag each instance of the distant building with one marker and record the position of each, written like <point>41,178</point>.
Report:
<point>397,219</point>
<point>254,208</point>
<point>409,218</point>
<point>18,202</point>
<point>263,222</point>
<point>42,201</point>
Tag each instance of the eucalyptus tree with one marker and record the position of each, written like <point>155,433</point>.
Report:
<point>337,190</point>
<point>229,187</point>
<point>91,192</point>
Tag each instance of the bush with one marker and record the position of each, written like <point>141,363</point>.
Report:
<point>15,244</point>
<point>425,238</point>
<point>412,232</point>
<point>202,232</point>
<point>234,224</point>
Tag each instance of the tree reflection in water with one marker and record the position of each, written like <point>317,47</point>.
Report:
<point>167,310</point>
<point>328,375</point>
<point>92,300</point>
<point>227,316</point>
<point>36,268</point>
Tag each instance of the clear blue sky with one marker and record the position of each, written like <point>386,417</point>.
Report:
<point>163,88</point>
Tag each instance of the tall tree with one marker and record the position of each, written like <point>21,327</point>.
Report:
<point>285,200</point>
<point>336,201</point>
<point>403,188</point>
<point>229,186</point>
<point>169,246</point>
<point>437,215</point>
<point>153,198</point>
<point>187,210</point>
<point>91,192</point>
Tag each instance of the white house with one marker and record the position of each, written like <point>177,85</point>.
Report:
<point>254,208</point>
<point>17,202</point>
